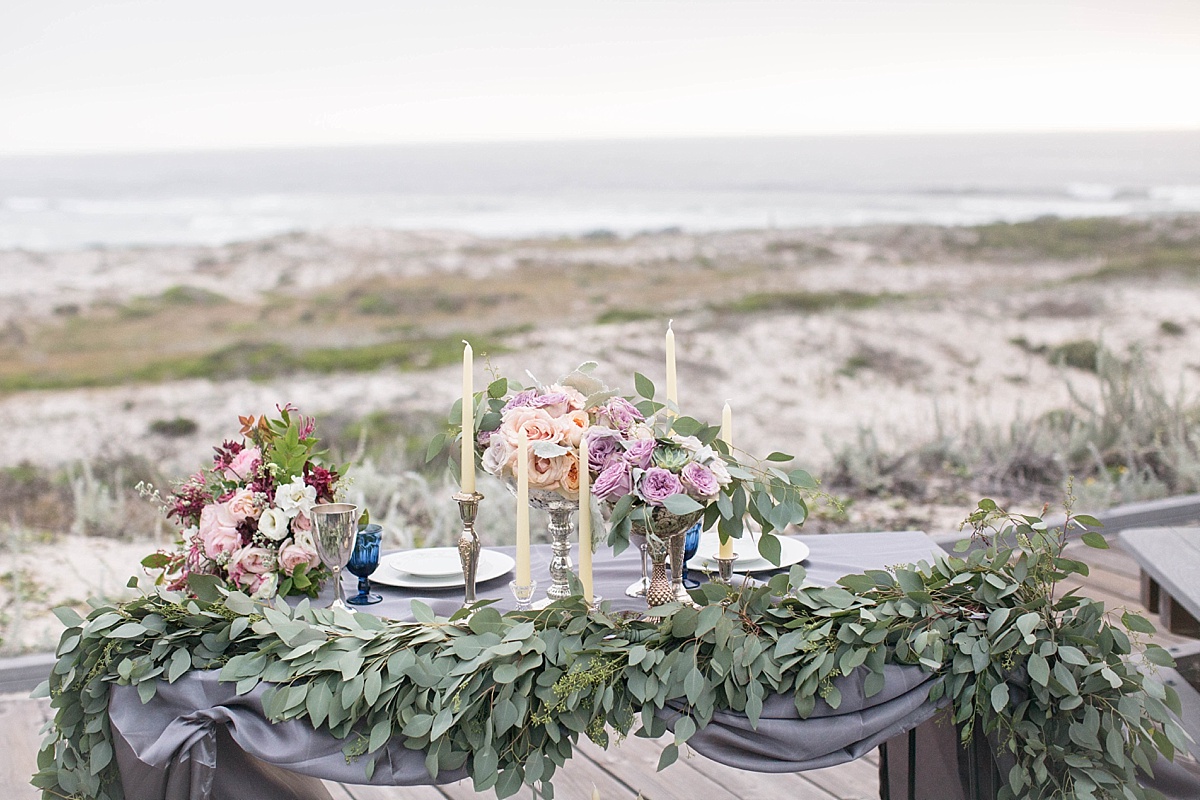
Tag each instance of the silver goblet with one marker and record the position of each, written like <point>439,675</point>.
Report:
<point>334,527</point>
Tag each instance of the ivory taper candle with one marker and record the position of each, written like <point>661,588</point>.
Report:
<point>726,547</point>
<point>672,389</point>
<point>523,509</point>
<point>467,483</point>
<point>585,522</point>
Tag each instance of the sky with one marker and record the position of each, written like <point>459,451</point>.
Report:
<point>107,76</point>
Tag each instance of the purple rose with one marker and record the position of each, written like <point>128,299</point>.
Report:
<point>604,446</point>
<point>620,413</point>
<point>484,438</point>
<point>554,402</point>
<point>615,481</point>
<point>523,399</point>
<point>639,453</point>
<point>699,480</point>
<point>657,485</point>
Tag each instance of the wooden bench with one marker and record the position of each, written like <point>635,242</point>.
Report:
<point>1169,559</point>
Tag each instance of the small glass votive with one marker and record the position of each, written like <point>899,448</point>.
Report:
<point>523,594</point>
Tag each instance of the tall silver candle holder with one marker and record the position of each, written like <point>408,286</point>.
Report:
<point>561,529</point>
<point>725,569</point>
<point>468,542</point>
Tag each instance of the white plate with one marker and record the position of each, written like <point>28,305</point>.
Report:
<point>428,562</point>
<point>492,565</point>
<point>791,551</point>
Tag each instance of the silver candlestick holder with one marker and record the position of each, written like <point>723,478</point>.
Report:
<point>725,569</point>
<point>523,594</point>
<point>468,542</point>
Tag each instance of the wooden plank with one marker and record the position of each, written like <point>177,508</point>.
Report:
<point>21,719</point>
<point>634,762</point>
<point>573,781</point>
<point>352,791</point>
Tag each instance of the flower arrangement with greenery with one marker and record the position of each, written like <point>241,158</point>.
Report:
<point>245,519</point>
<point>645,458</point>
<point>507,696</point>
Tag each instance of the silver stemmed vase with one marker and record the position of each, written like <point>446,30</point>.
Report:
<point>562,529</point>
<point>334,527</point>
<point>665,534</point>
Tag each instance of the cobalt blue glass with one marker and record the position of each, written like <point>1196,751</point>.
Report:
<point>363,561</point>
<point>691,543</point>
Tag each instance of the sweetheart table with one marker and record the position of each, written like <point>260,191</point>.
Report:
<point>197,739</point>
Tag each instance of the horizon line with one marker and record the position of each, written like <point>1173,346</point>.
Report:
<point>850,134</point>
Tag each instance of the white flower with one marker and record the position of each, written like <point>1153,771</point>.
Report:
<point>720,472</point>
<point>268,587</point>
<point>295,497</point>
<point>273,524</point>
<point>305,540</point>
<point>689,443</point>
<point>498,457</point>
<point>640,430</point>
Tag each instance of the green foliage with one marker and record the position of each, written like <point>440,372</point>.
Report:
<point>507,696</point>
<point>804,302</point>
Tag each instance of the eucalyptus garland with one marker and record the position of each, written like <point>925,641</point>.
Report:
<point>508,695</point>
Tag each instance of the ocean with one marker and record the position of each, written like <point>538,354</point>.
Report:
<point>572,188</point>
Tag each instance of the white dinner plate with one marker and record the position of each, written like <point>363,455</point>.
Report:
<point>791,551</point>
<point>428,562</point>
<point>492,565</point>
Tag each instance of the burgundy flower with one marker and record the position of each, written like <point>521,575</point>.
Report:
<point>322,480</point>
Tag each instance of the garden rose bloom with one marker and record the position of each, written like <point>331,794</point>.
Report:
<point>615,481</point>
<point>537,424</point>
<point>499,457</point>
<point>640,430</point>
<point>570,478</point>
<point>619,413</point>
<point>244,505</point>
<point>657,485</point>
<point>520,400</point>
<point>302,522</point>
<point>720,471</point>
<point>699,480</point>
<point>273,524</point>
<point>575,398</point>
<point>689,443</point>
<point>292,555</point>
<point>296,497</point>
<point>547,473</point>
<point>267,586</point>
<point>248,563</point>
<point>242,465</point>
<point>640,452</point>
<point>604,446</point>
<point>572,424</point>
<point>555,403</point>
<point>218,530</point>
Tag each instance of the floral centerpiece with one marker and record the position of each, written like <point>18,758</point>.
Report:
<point>650,463</point>
<point>246,519</point>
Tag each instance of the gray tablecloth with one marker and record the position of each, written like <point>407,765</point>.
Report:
<point>172,747</point>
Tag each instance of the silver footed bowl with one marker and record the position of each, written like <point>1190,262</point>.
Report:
<point>546,499</point>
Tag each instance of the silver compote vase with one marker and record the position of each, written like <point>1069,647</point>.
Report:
<point>562,530</point>
<point>665,536</point>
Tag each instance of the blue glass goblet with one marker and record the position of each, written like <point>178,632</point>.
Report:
<point>691,543</point>
<point>363,561</point>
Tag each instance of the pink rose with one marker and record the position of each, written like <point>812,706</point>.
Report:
<point>537,424</point>
<point>615,481</point>
<point>244,505</point>
<point>575,398</point>
<point>292,555</point>
<point>248,563</point>
<point>242,466</point>
<point>301,523</point>
<point>218,530</point>
<point>573,424</point>
<point>547,473</point>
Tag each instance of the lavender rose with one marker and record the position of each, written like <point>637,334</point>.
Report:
<point>657,485</point>
<point>620,413</point>
<point>699,480</point>
<point>640,452</point>
<point>604,445</point>
<point>615,481</point>
<point>555,403</point>
<point>521,399</point>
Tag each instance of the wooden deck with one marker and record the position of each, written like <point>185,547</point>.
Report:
<point>628,769</point>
